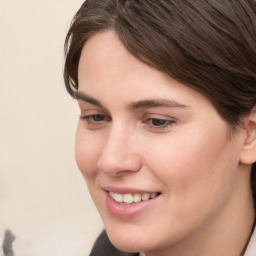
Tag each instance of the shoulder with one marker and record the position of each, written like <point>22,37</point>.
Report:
<point>103,247</point>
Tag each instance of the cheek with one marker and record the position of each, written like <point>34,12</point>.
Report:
<point>194,165</point>
<point>87,151</point>
<point>194,177</point>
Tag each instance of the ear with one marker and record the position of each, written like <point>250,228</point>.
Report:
<point>248,153</point>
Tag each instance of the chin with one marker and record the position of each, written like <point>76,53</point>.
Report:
<point>128,242</point>
<point>127,246</point>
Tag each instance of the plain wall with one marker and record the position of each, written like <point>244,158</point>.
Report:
<point>43,197</point>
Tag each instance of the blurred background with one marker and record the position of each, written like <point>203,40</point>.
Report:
<point>43,197</point>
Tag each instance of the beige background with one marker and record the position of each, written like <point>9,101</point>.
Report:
<point>43,197</point>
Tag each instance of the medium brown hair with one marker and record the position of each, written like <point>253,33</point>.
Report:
<point>208,45</point>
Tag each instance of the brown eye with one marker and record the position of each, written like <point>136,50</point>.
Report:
<point>98,117</point>
<point>159,122</point>
<point>95,118</point>
<point>95,121</point>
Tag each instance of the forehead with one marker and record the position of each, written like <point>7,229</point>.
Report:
<point>104,55</point>
<point>106,65</point>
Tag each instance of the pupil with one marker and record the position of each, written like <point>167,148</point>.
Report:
<point>158,122</point>
<point>98,117</point>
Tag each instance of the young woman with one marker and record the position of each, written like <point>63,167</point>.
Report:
<point>166,139</point>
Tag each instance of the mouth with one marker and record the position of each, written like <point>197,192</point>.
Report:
<point>129,203</point>
<point>130,198</point>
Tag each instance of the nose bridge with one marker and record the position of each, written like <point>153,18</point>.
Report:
<point>118,140</point>
<point>119,151</point>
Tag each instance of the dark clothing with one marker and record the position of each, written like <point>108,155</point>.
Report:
<point>103,247</point>
<point>7,243</point>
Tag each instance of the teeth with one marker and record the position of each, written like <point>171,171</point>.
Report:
<point>118,198</point>
<point>145,196</point>
<point>136,198</point>
<point>153,195</point>
<point>132,198</point>
<point>127,198</point>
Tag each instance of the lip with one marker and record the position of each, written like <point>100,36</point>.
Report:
<point>126,190</point>
<point>127,211</point>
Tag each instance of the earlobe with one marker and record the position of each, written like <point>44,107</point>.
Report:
<point>248,153</point>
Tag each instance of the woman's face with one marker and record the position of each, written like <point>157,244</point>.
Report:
<point>159,161</point>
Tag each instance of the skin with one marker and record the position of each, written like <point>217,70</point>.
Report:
<point>183,150</point>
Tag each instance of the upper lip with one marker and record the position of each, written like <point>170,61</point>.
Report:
<point>127,190</point>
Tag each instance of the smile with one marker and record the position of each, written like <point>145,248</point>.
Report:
<point>132,198</point>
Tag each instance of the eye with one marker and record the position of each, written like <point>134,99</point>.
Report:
<point>97,117</point>
<point>159,124</point>
<point>94,117</point>
<point>94,121</point>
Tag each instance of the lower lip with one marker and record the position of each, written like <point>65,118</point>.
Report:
<point>128,210</point>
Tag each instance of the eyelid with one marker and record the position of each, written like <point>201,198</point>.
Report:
<point>91,116</point>
<point>159,116</point>
<point>91,111</point>
<point>169,122</point>
<point>87,106</point>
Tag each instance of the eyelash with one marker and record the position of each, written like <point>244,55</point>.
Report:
<point>162,125</point>
<point>90,119</point>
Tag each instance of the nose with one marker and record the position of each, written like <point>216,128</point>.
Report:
<point>119,154</point>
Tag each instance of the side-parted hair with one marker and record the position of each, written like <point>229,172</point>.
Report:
<point>208,45</point>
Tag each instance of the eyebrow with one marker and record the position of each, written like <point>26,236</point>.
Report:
<point>86,98</point>
<point>153,103</point>
<point>147,103</point>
